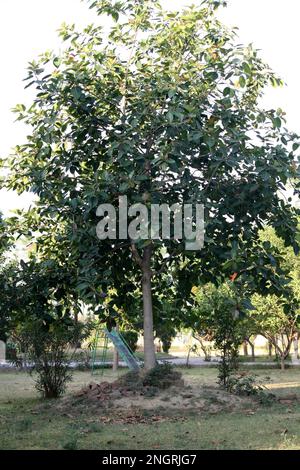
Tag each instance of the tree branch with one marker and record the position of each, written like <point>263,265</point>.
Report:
<point>136,255</point>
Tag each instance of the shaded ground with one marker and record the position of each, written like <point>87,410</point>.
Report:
<point>197,417</point>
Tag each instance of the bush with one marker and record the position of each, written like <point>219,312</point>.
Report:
<point>131,337</point>
<point>166,344</point>
<point>217,314</point>
<point>47,352</point>
<point>11,352</point>
<point>250,386</point>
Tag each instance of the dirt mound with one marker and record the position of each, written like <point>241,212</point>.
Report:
<point>130,398</point>
<point>114,390</point>
<point>135,383</point>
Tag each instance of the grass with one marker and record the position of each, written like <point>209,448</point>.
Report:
<point>29,423</point>
<point>262,358</point>
<point>110,354</point>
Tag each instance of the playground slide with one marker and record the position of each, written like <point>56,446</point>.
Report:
<point>123,349</point>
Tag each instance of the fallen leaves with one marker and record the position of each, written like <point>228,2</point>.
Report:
<point>137,417</point>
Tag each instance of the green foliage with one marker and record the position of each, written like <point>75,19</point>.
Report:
<point>162,108</point>
<point>217,314</point>
<point>42,320</point>
<point>131,337</point>
<point>166,342</point>
<point>277,321</point>
<point>5,274</point>
<point>269,314</point>
<point>8,298</point>
<point>5,237</point>
<point>71,444</point>
<point>11,352</point>
<point>42,290</point>
<point>47,353</point>
<point>168,312</point>
<point>250,386</point>
<point>277,317</point>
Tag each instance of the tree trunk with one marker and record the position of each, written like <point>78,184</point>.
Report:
<point>253,351</point>
<point>282,363</point>
<point>296,346</point>
<point>116,357</point>
<point>188,358</point>
<point>270,349</point>
<point>149,348</point>
<point>245,348</point>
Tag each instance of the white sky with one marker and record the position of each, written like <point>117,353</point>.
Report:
<point>29,27</point>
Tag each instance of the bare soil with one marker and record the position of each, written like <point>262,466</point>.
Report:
<point>141,405</point>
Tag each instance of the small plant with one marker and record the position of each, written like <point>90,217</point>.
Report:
<point>217,315</point>
<point>47,352</point>
<point>11,351</point>
<point>228,363</point>
<point>70,445</point>
<point>95,427</point>
<point>250,386</point>
<point>83,359</point>
<point>24,425</point>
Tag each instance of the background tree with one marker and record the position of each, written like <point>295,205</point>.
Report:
<point>42,320</point>
<point>162,108</point>
<point>7,273</point>
<point>277,321</point>
<point>217,314</point>
<point>6,269</point>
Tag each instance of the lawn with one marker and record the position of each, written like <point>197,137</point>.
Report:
<point>110,355</point>
<point>29,423</point>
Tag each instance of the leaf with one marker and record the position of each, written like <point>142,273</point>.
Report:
<point>83,285</point>
<point>76,92</point>
<point>56,62</point>
<point>115,15</point>
<point>246,303</point>
<point>124,187</point>
<point>170,116</point>
<point>242,81</point>
<point>212,76</point>
<point>277,122</point>
<point>228,92</point>
<point>247,68</point>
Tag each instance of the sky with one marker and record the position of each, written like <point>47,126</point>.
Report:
<point>28,28</point>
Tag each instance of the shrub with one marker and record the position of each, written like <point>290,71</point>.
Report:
<point>250,386</point>
<point>217,314</point>
<point>47,351</point>
<point>11,352</point>
<point>166,344</point>
<point>131,337</point>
